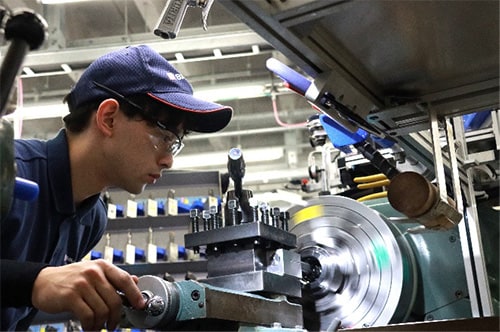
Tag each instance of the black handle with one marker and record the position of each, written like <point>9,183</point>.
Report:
<point>26,31</point>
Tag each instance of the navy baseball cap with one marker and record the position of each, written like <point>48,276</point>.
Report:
<point>142,70</point>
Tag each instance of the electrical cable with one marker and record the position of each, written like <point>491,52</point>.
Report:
<point>370,178</point>
<point>372,196</point>
<point>278,120</point>
<point>374,184</point>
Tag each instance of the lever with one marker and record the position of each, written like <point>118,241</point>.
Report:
<point>236,169</point>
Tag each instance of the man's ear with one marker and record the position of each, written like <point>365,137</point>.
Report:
<point>106,116</point>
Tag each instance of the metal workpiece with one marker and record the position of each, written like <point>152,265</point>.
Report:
<point>190,300</point>
<point>358,268</point>
<point>236,234</point>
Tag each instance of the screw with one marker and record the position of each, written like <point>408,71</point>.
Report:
<point>275,216</point>
<point>214,214</point>
<point>194,214</point>
<point>255,213</point>
<point>284,217</point>
<point>232,205</point>
<point>206,218</point>
<point>264,212</point>
<point>195,295</point>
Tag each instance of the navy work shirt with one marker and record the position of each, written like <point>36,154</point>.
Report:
<point>50,229</point>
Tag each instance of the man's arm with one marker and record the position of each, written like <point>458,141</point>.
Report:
<point>88,290</point>
<point>17,279</point>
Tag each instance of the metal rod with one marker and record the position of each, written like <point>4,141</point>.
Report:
<point>10,68</point>
<point>474,262</point>
<point>438,155</point>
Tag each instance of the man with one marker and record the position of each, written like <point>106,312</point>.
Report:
<point>128,114</point>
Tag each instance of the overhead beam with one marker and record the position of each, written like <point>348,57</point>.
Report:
<point>222,36</point>
<point>148,11</point>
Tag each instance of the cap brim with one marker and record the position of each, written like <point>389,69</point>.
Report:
<point>207,117</point>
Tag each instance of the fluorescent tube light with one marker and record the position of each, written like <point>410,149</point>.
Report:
<point>230,92</point>
<point>39,112</point>
<point>220,158</point>
<point>58,2</point>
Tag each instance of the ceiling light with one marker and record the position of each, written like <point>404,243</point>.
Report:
<point>230,93</point>
<point>58,2</point>
<point>220,158</point>
<point>40,112</point>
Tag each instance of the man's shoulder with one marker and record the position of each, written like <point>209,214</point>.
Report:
<point>30,149</point>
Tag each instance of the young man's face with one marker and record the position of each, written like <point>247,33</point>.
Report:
<point>141,152</point>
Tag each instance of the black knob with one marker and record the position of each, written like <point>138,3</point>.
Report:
<point>28,26</point>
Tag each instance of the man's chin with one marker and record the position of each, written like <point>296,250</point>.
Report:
<point>136,191</point>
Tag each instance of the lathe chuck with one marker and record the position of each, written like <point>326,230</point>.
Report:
<point>360,268</point>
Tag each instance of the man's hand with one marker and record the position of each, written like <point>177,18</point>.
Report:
<point>88,290</point>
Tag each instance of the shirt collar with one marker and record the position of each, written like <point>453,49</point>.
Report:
<point>59,172</point>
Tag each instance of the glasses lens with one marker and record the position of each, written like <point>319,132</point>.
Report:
<point>176,149</point>
<point>167,141</point>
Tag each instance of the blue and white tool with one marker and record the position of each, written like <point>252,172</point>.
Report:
<point>323,100</point>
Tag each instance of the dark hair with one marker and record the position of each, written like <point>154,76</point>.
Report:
<point>151,111</point>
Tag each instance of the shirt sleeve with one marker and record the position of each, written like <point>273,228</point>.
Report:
<point>17,279</point>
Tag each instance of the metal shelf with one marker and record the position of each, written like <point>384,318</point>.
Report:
<point>126,224</point>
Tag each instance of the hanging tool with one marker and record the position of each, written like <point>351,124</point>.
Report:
<point>171,18</point>
<point>325,101</point>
